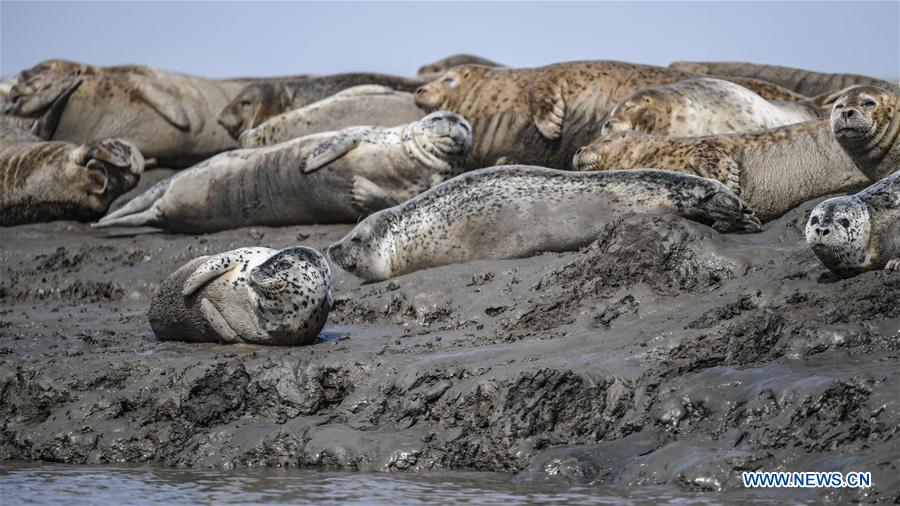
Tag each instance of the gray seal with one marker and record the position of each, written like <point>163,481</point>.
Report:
<point>866,123</point>
<point>861,232</point>
<point>361,105</point>
<point>46,181</point>
<point>332,177</point>
<point>703,106</point>
<point>518,211</point>
<point>248,295</point>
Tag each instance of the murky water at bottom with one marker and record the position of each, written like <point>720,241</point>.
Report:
<point>30,483</point>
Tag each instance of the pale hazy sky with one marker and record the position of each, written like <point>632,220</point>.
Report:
<point>221,39</point>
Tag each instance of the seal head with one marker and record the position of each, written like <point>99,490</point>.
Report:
<point>445,91</point>
<point>368,249</point>
<point>253,105</point>
<point>866,122</point>
<point>643,111</point>
<point>838,232</point>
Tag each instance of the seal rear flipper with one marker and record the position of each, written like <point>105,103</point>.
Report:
<point>369,197</point>
<point>548,107</point>
<point>218,323</point>
<point>139,211</point>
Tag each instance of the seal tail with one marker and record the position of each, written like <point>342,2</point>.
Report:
<point>139,212</point>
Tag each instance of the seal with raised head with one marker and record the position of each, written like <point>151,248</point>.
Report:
<point>518,211</point>
<point>46,181</point>
<point>169,118</point>
<point>361,105</point>
<point>861,232</point>
<point>703,106</point>
<point>866,123</point>
<point>537,116</point>
<point>260,101</point>
<point>455,60</point>
<point>773,170</point>
<point>805,82</point>
<point>248,295</point>
<point>332,177</point>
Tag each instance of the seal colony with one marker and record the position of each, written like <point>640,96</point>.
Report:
<point>249,295</point>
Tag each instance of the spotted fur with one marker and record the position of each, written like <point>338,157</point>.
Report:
<point>860,232</point>
<point>517,211</point>
<point>866,122</point>
<point>249,295</point>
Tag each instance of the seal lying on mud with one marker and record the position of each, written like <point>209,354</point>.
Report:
<point>866,123</point>
<point>444,64</point>
<point>249,295</point>
<point>361,105</point>
<point>170,118</point>
<point>518,211</point>
<point>860,232</point>
<point>773,170</point>
<point>260,101</point>
<point>703,106</point>
<point>805,82</point>
<point>45,181</point>
<point>537,116</point>
<point>333,177</point>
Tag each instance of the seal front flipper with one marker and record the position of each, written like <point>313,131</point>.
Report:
<point>548,107</point>
<point>165,102</point>
<point>719,165</point>
<point>331,149</point>
<point>369,197</point>
<point>892,265</point>
<point>212,268</point>
<point>217,322</point>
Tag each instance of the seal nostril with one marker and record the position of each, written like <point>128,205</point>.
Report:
<point>420,90</point>
<point>825,232</point>
<point>580,151</point>
<point>849,113</point>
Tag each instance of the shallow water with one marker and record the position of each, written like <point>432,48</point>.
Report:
<point>30,483</point>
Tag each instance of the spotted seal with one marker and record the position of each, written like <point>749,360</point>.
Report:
<point>703,106</point>
<point>860,232</point>
<point>361,105</point>
<point>46,181</point>
<point>866,123</point>
<point>773,170</point>
<point>455,60</point>
<point>537,116</point>
<point>805,82</point>
<point>518,211</point>
<point>248,295</point>
<point>260,101</point>
<point>332,177</point>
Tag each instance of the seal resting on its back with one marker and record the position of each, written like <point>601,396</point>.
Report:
<point>518,211</point>
<point>46,181</point>
<point>860,232</point>
<point>361,105</point>
<point>703,106</point>
<point>332,177</point>
<point>248,295</point>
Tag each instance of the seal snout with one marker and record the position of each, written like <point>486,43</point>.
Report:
<point>585,159</point>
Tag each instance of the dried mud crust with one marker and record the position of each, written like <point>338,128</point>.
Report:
<point>663,353</point>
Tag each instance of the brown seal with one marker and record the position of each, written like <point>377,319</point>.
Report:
<point>46,181</point>
<point>538,116</point>
<point>773,170</point>
<point>866,122</point>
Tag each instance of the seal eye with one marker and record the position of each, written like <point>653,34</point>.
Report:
<point>814,220</point>
<point>844,222</point>
<point>449,82</point>
<point>838,106</point>
<point>869,103</point>
<point>245,104</point>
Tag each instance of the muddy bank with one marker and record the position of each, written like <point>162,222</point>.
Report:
<point>664,353</point>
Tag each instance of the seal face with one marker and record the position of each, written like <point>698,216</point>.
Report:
<point>866,122</point>
<point>517,211</point>
<point>251,295</point>
<point>46,181</point>
<point>860,232</point>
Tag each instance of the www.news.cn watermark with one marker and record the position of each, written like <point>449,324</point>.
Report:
<point>784,479</point>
